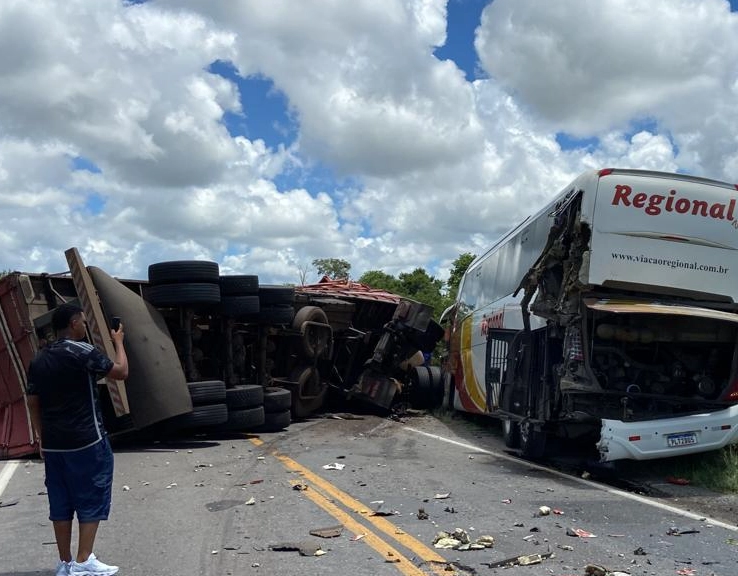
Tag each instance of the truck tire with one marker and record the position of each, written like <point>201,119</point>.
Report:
<point>309,393</point>
<point>272,295</point>
<point>275,314</point>
<point>239,285</point>
<point>315,341</point>
<point>309,314</point>
<point>178,271</point>
<point>275,421</point>
<point>239,306</point>
<point>166,295</point>
<point>244,396</point>
<point>277,399</point>
<point>427,386</point>
<point>207,392</point>
<point>200,417</point>
<point>245,419</point>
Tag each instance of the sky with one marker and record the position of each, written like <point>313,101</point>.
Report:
<point>393,134</point>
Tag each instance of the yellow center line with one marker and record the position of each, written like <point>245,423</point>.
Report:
<point>418,548</point>
<point>390,554</point>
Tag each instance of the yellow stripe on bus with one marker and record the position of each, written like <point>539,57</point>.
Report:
<point>467,365</point>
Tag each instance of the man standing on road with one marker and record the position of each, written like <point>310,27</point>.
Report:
<point>67,423</point>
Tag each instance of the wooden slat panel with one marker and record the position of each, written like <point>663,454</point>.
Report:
<point>97,325</point>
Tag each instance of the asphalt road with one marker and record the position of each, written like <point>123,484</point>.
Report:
<point>212,506</point>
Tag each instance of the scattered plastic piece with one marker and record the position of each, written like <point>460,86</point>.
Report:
<point>579,533</point>
<point>677,481</point>
<point>329,532</point>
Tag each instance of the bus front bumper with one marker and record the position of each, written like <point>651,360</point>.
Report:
<point>668,437</point>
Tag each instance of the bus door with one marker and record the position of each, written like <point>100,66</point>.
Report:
<point>496,363</point>
<point>529,385</point>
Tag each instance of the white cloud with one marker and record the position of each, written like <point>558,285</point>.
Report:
<point>588,68</point>
<point>434,165</point>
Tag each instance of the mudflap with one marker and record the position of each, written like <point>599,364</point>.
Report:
<point>156,384</point>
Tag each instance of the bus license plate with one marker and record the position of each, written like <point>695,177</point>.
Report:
<point>674,440</point>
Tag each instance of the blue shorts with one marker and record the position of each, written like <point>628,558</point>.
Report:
<point>81,482</point>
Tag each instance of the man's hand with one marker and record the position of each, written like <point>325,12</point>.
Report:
<point>40,447</point>
<point>117,335</point>
<point>120,363</point>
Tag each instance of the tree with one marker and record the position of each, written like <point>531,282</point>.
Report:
<point>334,268</point>
<point>421,286</point>
<point>459,267</point>
<point>302,270</point>
<point>380,280</point>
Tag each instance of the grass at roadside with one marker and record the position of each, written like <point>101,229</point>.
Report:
<point>717,470</point>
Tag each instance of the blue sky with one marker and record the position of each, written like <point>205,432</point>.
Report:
<point>394,134</point>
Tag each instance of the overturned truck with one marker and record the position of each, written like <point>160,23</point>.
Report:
<point>610,317</point>
<point>219,352</point>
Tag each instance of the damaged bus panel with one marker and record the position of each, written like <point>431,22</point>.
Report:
<point>609,317</point>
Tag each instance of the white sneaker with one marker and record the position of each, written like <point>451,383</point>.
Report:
<point>91,567</point>
<point>62,569</point>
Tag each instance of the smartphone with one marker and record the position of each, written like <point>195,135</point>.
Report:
<point>115,323</point>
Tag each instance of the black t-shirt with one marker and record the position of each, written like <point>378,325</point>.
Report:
<point>63,375</point>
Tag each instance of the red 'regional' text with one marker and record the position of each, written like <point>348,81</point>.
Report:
<point>655,204</point>
<point>492,321</point>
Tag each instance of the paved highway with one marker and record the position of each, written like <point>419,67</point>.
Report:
<point>212,507</point>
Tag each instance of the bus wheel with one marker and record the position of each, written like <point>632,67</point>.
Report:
<point>532,441</point>
<point>449,391</point>
<point>511,433</point>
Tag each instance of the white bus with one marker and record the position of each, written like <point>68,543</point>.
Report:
<point>610,316</point>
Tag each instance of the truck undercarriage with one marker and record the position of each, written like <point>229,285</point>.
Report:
<point>182,336</point>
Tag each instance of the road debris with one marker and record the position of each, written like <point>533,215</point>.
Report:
<point>250,502</point>
<point>305,548</point>
<point>126,488</point>
<point>544,511</point>
<point>459,540</point>
<point>329,532</point>
<point>442,496</point>
<point>523,560</point>
<point>677,480</point>
<point>222,505</point>
<point>639,551</point>
<point>334,466</point>
<point>343,416</point>
<point>580,533</point>
<point>7,503</point>
<point>422,514</point>
<point>674,531</point>
<point>300,487</point>
<point>449,509</point>
<point>357,537</point>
